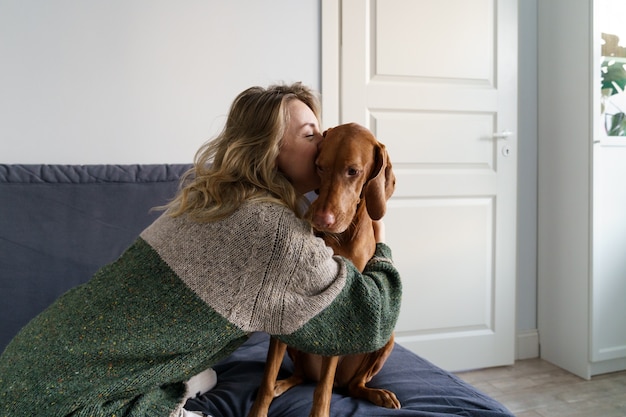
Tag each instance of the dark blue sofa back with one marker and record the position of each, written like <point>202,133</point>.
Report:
<point>60,223</point>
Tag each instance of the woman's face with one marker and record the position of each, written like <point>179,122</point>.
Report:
<point>299,148</point>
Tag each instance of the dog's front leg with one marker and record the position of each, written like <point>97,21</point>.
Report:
<point>324,388</point>
<point>264,396</point>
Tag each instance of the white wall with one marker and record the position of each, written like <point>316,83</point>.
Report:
<point>148,81</point>
<point>140,81</point>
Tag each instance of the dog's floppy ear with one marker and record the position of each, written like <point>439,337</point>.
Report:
<point>381,184</point>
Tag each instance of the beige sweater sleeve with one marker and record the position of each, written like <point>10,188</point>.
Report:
<point>261,268</point>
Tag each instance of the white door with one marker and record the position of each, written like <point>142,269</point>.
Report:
<point>436,81</point>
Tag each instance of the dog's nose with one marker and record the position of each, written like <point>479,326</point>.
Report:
<point>323,220</point>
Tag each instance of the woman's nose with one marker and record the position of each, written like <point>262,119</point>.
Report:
<point>319,139</point>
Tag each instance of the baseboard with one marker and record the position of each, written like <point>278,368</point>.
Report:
<point>527,346</point>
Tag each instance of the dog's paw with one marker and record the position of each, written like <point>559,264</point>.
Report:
<point>384,398</point>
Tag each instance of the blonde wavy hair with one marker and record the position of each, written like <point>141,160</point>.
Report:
<point>240,163</point>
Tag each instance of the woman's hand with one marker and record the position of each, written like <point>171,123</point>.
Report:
<point>379,231</point>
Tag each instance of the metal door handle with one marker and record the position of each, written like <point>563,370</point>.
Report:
<point>502,135</point>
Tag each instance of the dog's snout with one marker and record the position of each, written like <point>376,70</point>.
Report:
<point>323,220</point>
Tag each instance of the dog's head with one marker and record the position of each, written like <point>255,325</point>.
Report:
<point>353,167</point>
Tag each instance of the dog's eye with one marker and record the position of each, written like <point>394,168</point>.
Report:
<point>352,172</point>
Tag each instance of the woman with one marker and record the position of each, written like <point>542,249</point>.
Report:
<point>231,255</point>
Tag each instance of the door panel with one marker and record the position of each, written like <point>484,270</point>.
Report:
<point>437,262</point>
<point>435,80</point>
<point>460,49</point>
<point>440,141</point>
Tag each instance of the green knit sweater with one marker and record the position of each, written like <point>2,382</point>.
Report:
<point>181,298</point>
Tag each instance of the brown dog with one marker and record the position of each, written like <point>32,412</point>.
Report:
<point>357,181</point>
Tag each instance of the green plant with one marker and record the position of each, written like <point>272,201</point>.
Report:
<point>616,125</point>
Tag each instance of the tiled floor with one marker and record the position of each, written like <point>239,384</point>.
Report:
<point>536,388</point>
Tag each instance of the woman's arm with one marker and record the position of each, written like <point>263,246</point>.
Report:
<point>361,317</point>
<point>275,276</point>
